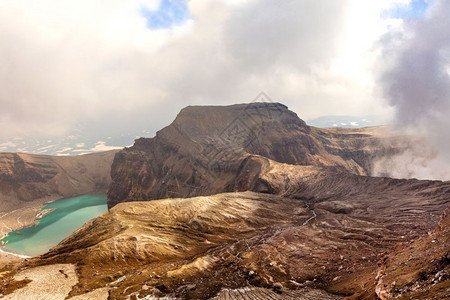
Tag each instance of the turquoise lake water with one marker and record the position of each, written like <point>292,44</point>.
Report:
<point>69,215</point>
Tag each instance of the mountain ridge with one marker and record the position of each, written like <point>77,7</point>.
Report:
<point>248,201</point>
<point>201,151</point>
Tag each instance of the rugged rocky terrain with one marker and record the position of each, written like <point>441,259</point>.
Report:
<point>201,152</point>
<point>418,269</point>
<point>248,202</point>
<point>27,181</point>
<point>323,229</point>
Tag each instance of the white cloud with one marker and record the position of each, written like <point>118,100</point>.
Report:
<point>417,84</point>
<point>97,63</point>
<point>47,147</point>
<point>66,149</point>
<point>101,146</point>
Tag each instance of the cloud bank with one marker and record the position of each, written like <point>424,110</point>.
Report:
<point>98,66</point>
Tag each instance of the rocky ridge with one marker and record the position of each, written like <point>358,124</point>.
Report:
<point>202,151</point>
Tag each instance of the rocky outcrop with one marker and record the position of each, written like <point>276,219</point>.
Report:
<point>202,151</point>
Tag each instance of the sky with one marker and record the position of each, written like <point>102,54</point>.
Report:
<point>94,74</point>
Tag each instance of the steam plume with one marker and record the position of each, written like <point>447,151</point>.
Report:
<point>417,83</point>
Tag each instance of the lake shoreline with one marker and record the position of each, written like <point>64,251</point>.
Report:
<point>53,223</point>
<point>13,254</point>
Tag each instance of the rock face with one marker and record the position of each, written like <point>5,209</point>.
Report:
<point>202,151</point>
<point>27,181</point>
<point>308,227</point>
<point>28,177</point>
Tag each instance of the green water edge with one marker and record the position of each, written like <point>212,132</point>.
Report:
<point>68,215</point>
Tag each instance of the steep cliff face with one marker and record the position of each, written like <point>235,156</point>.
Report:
<point>28,177</point>
<point>201,152</point>
<point>27,181</point>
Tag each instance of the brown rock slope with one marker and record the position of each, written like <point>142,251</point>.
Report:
<point>418,269</point>
<point>27,181</point>
<point>202,150</point>
<point>323,228</point>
